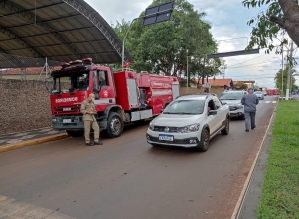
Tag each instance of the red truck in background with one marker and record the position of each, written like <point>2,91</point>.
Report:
<point>271,92</point>
<point>121,97</point>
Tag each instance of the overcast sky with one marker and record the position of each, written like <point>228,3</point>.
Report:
<point>228,19</point>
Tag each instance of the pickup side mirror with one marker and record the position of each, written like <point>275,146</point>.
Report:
<point>212,112</point>
<point>223,103</point>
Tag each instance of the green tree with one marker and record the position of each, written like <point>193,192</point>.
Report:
<point>284,75</point>
<point>164,47</point>
<point>201,68</point>
<point>279,17</point>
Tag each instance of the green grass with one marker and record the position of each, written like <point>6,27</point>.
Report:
<point>280,192</point>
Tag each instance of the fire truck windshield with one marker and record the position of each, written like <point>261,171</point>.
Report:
<point>75,81</point>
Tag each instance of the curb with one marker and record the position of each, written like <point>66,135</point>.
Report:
<point>242,196</point>
<point>32,142</point>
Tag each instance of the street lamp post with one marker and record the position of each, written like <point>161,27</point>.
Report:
<point>187,75</point>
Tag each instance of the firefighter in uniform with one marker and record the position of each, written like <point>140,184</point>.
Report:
<point>88,110</point>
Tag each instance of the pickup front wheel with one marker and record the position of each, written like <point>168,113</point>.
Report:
<point>204,141</point>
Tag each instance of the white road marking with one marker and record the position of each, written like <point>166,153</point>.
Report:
<point>273,101</point>
<point>267,102</point>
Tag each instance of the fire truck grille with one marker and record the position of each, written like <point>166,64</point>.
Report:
<point>60,110</point>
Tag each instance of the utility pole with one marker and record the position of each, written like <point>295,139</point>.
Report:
<point>282,73</point>
<point>289,73</point>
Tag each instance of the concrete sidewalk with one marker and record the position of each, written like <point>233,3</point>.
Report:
<point>31,137</point>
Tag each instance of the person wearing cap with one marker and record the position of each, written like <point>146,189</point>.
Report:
<point>88,110</point>
<point>249,101</point>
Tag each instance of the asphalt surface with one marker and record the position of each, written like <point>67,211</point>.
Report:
<point>127,178</point>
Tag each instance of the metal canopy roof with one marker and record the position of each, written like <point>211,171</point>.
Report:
<point>61,30</point>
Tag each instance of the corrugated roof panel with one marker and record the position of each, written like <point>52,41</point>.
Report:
<point>61,31</point>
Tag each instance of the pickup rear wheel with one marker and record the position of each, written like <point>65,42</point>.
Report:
<point>204,141</point>
<point>115,125</point>
<point>75,133</point>
<point>225,130</point>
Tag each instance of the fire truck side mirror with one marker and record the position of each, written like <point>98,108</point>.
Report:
<point>96,90</point>
<point>96,93</point>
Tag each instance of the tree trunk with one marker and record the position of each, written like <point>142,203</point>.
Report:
<point>290,20</point>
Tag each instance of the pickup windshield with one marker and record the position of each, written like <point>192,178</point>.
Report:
<point>231,96</point>
<point>185,107</point>
<point>72,82</point>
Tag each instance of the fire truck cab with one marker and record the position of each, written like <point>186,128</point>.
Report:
<point>121,97</point>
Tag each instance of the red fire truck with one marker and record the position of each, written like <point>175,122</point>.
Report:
<point>121,97</point>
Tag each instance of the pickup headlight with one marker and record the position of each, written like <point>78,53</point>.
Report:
<point>239,106</point>
<point>151,126</point>
<point>190,128</point>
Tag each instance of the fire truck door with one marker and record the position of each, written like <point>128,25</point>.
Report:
<point>175,90</point>
<point>132,92</point>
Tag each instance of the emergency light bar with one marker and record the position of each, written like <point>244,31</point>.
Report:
<point>87,61</point>
<point>75,62</point>
<point>65,64</point>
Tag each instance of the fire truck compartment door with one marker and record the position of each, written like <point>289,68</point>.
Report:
<point>132,92</point>
<point>175,90</point>
<point>143,114</point>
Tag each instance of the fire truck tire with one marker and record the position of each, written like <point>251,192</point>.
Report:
<point>75,133</point>
<point>115,125</point>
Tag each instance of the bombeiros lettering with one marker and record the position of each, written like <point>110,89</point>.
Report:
<point>63,100</point>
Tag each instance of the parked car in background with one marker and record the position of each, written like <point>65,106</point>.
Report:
<point>233,100</point>
<point>190,121</point>
<point>259,95</point>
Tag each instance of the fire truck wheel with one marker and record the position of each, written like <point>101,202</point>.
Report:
<point>75,133</point>
<point>115,125</point>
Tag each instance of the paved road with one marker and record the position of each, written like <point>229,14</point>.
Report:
<point>126,178</point>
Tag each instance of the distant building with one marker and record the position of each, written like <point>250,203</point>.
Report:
<point>32,73</point>
<point>216,82</point>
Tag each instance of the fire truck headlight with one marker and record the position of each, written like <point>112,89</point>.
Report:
<point>151,126</point>
<point>54,120</point>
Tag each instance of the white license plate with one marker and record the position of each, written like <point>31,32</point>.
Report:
<point>165,137</point>
<point>67,109</point>
<point>67,121</point>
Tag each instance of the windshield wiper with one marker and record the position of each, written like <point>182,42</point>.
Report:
<point>228,99</point>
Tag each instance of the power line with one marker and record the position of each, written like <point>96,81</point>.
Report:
<point>247,60</point>
<point>253,64</point>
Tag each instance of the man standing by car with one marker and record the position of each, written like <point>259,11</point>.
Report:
<point>88,110</point>
<point>249,101</point>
